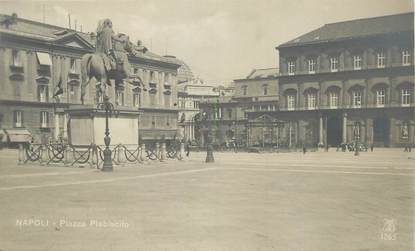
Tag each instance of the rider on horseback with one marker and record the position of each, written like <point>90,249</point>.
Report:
<point>104,43</point>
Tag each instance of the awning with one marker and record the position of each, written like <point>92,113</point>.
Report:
<point>43,58</point>
<point>19,135</point>
<point>154,134</point>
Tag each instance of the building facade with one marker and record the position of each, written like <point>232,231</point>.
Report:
<point>349,81</point>
<point>190,95</point>
<point>257,92</point>
<point>40,77</point>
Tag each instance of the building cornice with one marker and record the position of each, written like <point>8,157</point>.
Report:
<point>339,40</point>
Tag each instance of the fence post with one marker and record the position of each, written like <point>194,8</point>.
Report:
<point>163,152</point>
<point>180,156</point>
<point>143,156</point>
<point>21,154</point>
<point>158,150</point>
<point>67,153</point>
<point>43,155</point>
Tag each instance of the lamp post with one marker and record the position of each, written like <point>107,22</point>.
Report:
<point>109,109</point>
<point>208,136</point>
<point>356,132</point>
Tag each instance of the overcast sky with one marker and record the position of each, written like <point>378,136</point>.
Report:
<point>219,39</point>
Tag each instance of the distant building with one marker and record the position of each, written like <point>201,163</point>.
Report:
<point>37,60</point>
<point>349,80</point>
<point>190,94</point>
<point>229,114</point>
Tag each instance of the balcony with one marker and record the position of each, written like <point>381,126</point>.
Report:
<point>16,69</point>
<point>73,75</point>
<point>44,70</point>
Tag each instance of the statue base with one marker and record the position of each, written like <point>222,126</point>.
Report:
<point>87,126</point>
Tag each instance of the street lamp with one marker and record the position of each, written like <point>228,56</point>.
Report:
<point>356,132</point>
<point>109,109</point>
<point>209,137</point>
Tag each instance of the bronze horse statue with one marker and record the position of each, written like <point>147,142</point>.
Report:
<point>93,66</point>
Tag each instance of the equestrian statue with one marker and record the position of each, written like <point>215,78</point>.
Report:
<point>110,60</point>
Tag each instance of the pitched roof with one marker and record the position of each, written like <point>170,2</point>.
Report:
<point>356,28</point>
<point>37,30</point>
<point>263,73</point>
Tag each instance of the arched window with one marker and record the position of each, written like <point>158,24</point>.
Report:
<point>356,96</point>
<point>333,93</point>
<point>380,94</point>
<point>405,93</point>
<point>290,99</point>
<point>311,98</point>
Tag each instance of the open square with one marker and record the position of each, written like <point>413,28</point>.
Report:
<point>243,201</point>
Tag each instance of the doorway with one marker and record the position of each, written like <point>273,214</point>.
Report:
<point>381,132</point>
<point>334,131</point>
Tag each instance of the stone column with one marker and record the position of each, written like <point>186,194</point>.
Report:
<point>56,125</point>
<point>65,126</point>
<point>320,138</point>
<point>344,138</point>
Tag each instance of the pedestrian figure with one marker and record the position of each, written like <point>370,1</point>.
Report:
<point>304,149</point>
<point>371,147</point>
<point>406,149</point>
<point>188,148</point>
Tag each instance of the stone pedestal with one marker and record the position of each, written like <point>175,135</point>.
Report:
<point>87,126</point>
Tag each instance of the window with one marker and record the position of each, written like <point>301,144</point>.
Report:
<point>153,77</point>
<point>334,64</point>
<point>406,57</point>
<point>18,119</point>
<point>291,67</point>
<point>291,102</point>
<point>152,99</point>
<point>380,59</point>
<point>73,66</point>
<point>357,98</point>
<point>196,104</point>
<point>44,119</point>
<point>405,97</point>
<point>119,99</point>
<point>167,100</point>
<point>136,99</point>
<point>380,97</point>
<point>311,100</point>
<point>311,66</point>
<point>15,58</point>
<point>265,89</point>
<point>153,122</point>
<point>72,90</point>
<point>357,62</point>
<point>100,97</point>
<point>42,93</point>
<point>229,113</point>
<point>244,90</point>
<point>333,99</point>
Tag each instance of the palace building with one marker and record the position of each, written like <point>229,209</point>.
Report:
<point>343,82</point>
<point>348,81</point>
<point>40,77</point>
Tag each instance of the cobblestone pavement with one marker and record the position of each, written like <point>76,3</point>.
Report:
<point>244,201</point>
